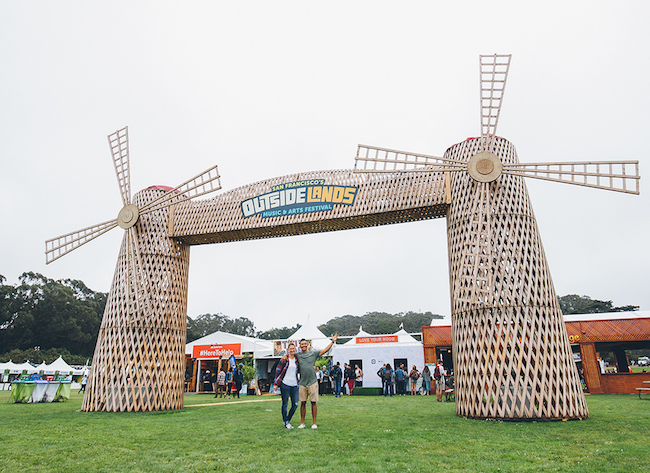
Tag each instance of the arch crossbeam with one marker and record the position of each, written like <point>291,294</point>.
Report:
<point>332,200</point>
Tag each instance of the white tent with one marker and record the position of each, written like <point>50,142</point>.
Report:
<point>258,347</point>
<point>375,350</point>
<point>42,367</point>
<point>19,368</point>
<point>58,365</point>
<point>309,331</point>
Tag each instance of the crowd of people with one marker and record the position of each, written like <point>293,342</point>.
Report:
<point>401,382</point>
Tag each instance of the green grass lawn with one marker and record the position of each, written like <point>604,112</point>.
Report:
<point>365,434</point>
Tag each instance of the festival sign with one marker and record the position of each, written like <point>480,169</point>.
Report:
<point>216,351</point>
<point>299,197</point>
<point>378,339</point>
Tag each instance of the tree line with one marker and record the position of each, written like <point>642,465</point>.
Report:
<point>42,319</point>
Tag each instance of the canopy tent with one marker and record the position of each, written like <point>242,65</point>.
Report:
<point>256,346</point>
<point>373,351</point>
<point>59,365</point>
<point>309,331</point>
<point>19,368</point>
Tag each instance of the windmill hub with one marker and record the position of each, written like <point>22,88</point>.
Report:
<point>484,167</point>
<point>128,216</point>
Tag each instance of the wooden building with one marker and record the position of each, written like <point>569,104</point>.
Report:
<point>593,337</point>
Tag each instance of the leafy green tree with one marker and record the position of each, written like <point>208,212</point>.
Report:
<point>43,314</point>
<point>378,323</point>
<point>574,304</point>
<point>278,333</point>
<point>205,324</point>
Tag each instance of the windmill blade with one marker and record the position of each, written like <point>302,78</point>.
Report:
<point>57,247</point>
<point>119,144</point>
<point>204,183</point>
<point>618,176</point>
<point>371,159</point>
<point>494,73</point>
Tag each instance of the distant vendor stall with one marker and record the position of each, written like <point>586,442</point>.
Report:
<point>208,355</point>
<point>594,339</point>
<point>371,352</point>
<point>29,388</point>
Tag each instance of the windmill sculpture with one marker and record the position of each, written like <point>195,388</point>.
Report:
<point>139,359</point>
<point>512,357</point>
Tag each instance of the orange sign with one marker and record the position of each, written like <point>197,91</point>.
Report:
<point>216,351</point>
<point>379,339</point>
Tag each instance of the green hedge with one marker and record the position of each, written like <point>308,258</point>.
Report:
<point>366,391</point>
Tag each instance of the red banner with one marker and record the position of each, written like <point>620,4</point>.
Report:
<point>378,339</point>
<point>216,351</point>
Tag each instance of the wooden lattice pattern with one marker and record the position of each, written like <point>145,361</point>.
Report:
<point>512,357</point>
<point>139,359</point>
<point>380,200</point>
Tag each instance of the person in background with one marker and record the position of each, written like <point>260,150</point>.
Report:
<point>319,379</point>
<point>308,385</point>
<point>84,381</point>
<point>358,376</point>
<point>229,381</point>
<point>413,376</point>
<point>349,379</point>
<point>426,381</point>
<point>337,376</point>
<point>286,377</point>
<point>400,374</point>
<point>238,378</point>
<point>388,380</point>
<point>439,374</point>
<point>381,372</point>
<point>327,385</point>
<point>221,384</point>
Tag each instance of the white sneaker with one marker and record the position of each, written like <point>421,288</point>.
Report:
<point>301,426</point>
<point>314,426</point>
<point>288,425</point>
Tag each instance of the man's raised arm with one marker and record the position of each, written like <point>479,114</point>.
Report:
<point>326,349</point>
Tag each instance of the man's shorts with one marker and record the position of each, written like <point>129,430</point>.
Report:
<point>305,392</point>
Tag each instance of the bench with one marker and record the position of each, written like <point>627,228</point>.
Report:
<point>643,390</point>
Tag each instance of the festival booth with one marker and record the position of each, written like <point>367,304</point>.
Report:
<point>593,337</point>
<point>371,352</point>
<point>209,354</point>
<point>33,388</point>
<point>11,371</point>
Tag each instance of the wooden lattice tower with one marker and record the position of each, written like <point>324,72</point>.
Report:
<point>512,357</point>
<point>139,359</point>
<point>511,351</point>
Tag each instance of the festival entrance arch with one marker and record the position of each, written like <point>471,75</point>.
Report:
<point>511,351</point>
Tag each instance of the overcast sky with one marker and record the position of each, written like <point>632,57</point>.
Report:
<point>265,89</point>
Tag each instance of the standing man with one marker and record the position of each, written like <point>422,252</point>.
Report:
<point>308,382</point>
<point>439,375</point>
<point>399,379</point>
<point>238,378</point>
<point>337,374</point>
<point>382,375</point>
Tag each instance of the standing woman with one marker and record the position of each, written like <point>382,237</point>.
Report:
<point>358,376</point>
<point>286,377</point>
<point>414,375</point>
<point>426,381</point>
